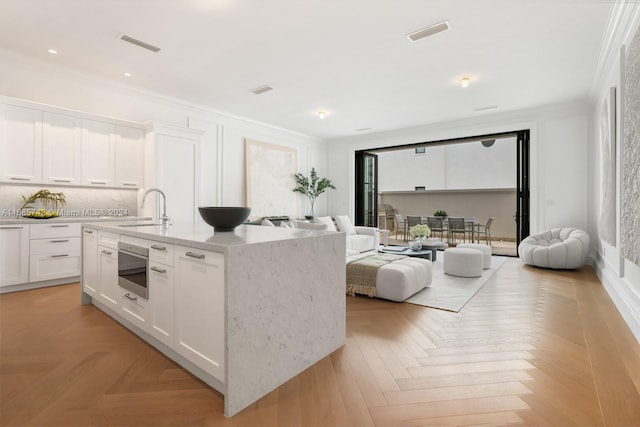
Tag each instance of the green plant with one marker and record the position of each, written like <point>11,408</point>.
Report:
<point>440,213</point>
<point>312,187</point>
<point>46,198</point>
<point>420,231</point>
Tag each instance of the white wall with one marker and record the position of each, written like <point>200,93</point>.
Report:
<point>221,147</point>
<point>449,167</point>
<point>559,144</point>
<point>620,277</point>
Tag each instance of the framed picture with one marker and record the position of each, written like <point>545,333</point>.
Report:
<point>270,181</point>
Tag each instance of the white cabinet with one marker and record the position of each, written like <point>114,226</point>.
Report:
<point>14,254</point>
<point>161,292</point>
<point>129,152</point>
<point>61,149</point>
<point>109,291</point>
<point>20,144</point>
<point>98,153</point>
<point>54,251</point>
<point>90,262</point>
<point>200,308</point>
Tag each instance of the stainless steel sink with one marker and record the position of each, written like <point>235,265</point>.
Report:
<point>139,225</point>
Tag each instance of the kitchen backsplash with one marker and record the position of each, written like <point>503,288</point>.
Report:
<point>81,202</point>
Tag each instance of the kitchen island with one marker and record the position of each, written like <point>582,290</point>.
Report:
<point>244,311</point>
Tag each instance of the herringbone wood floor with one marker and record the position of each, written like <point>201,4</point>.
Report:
<point>533,347</point>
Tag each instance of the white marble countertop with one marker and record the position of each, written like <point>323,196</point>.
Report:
<point>199,235</point>
<point>21,220</point>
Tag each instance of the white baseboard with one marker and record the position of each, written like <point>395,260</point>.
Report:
<point>625,299</point>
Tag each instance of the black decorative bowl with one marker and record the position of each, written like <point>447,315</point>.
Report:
<point>224,218</point>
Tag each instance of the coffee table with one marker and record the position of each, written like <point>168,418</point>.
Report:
<point>428,251</point>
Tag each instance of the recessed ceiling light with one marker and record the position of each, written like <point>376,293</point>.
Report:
<point>464,82</point>
<point>262,89</point>
<point>53,51</point>
<point>321,114</point>
<point>429,31</point>
<point>127,74</point>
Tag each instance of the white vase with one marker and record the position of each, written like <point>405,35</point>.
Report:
<point>415,245</point>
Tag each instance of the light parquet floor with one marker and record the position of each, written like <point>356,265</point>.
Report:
<point>533,347</point>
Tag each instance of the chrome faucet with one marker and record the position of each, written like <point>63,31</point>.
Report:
<point>165,218</point>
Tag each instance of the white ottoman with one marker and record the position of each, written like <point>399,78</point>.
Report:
<point>485,249</point>
<point>402,278</point>
<point>463,262</point>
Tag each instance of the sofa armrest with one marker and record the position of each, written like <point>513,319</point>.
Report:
<point>372,231</point>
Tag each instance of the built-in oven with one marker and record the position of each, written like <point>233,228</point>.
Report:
<point>133,261</point>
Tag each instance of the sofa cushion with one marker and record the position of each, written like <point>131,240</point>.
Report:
<point>360,242</point>
<point>325,220</point>
<point>344,224</point>
<point>309,226</point>
<point>267,223</point>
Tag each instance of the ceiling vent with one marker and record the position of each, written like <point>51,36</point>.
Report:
<point>429,31</point>
<point>140,43</point>
<point>262,89</point>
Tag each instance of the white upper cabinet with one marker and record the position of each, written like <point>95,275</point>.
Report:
<point>98,153</point>
<point>20,144</point>
<point>61,149</point>
<point>129,157</point>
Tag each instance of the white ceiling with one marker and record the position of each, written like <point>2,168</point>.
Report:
<point>349,58</point>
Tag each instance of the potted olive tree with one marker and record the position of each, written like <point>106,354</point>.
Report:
<point>312,187</point>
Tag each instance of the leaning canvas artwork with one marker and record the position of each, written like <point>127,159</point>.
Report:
<point>607,225</point>
<point>630,222</point>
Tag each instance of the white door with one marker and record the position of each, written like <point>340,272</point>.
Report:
<point>108,276</point>
<point>61,149</point>
<point>129,166</point>
<point>177,175</point>
<point>20,144</point>
<point>14,254</point>
<point>200,308</point>
<point>90,262</point>
<point>98,153</point>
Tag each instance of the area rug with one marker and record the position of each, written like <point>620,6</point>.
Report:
<point>451,293</point>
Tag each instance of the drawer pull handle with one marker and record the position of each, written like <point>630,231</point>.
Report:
<point>158,248</point>
<point>159,270</point>
<point>130,297</point>
<point>61,180</point>
<point>129,184</point>
<point>98,182</point>
<point>88,231</point>
<point>59,241</point>
<point>192,255</point>
<point>106,252</point>
<point>59,256</point>
<point>17,178</point>
<point>60,226</point>
<point>17,227</point>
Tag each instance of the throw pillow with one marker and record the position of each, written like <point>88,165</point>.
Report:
<point>267,223</point>
<point>325,220</point>
<point>344,224</point>
<point>285,224</point>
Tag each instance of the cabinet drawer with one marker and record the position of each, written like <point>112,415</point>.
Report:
<point>44,231</point>
<point>59,245</point>
<point>161,252</point>
<point>134,308</point>
<point>56,266</point>
<point>110,240</point>
<point>199,255</point>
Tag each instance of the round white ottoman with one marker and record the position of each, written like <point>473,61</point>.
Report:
<point>463,262</point>
<point>485,249</point>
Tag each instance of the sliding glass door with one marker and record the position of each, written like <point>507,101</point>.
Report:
<point>522,187</point>
<point>366,190</point>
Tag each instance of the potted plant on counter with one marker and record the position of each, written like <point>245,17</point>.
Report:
<point>312,187</point>
<point>46,198</point>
